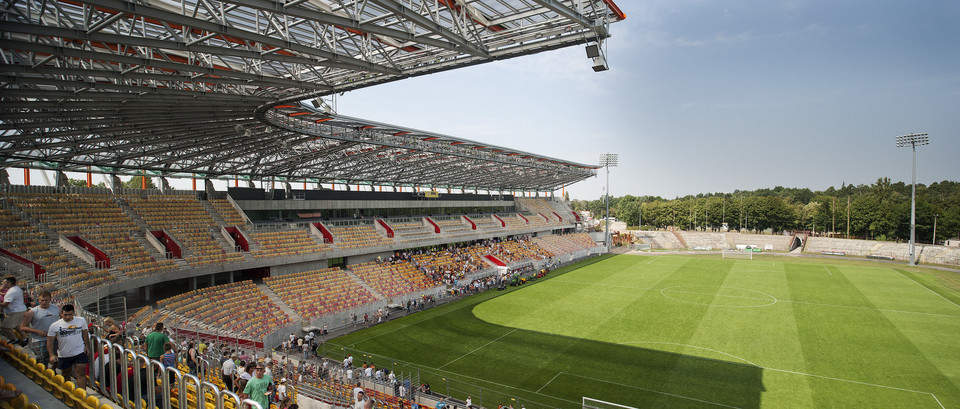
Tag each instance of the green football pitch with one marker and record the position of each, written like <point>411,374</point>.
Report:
<point>690,331</point>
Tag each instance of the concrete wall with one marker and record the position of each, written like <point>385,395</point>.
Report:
<point>285,269</point>
<point>364,258</point>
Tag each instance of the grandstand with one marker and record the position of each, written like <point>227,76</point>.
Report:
<point>319,292</point>
<point>358,235</point>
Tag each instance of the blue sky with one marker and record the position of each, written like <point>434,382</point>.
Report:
<point>716,96</point>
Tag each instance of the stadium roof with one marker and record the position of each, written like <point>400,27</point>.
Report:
<point>216,88</point>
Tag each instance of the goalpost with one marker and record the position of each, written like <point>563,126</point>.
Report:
<point>590,403</point>
<point>746,255</point>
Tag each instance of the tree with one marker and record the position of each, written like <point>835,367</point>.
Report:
<point>83,183</point>
<point>135,183</point>
<point>880,211</point>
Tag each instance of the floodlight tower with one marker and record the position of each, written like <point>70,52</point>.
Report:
<point>608,160</point>
<point>913,140</point>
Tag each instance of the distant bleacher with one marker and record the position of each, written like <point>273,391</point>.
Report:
<point>228,212</point>
<point>239,307</point>
<point>556,245</point>
<point>358,235</point>
<point>284,243</point>
<point>317,293</point>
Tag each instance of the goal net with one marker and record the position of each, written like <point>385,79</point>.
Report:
<point>747,255</point>
<point>590,403</point>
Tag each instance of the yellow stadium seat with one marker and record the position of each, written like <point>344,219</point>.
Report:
<point>20,402</point>
<point>92,402</point>
<point>77,399</point>
<point>64,392</point>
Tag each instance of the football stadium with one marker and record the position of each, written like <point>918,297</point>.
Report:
<point>352,263</point>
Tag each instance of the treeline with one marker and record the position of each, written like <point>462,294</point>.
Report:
<point>880,211</point>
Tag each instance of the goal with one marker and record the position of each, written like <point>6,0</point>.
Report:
<point>748,255</point>
<point>590,403</point>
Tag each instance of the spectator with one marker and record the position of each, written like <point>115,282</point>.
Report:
<point>362,402</point>
<point>13,310</point>
<point>169,357</point>
<point>192,360</point>
<point>155,342</point>
<point>229,371</point>
<point>259,387</point>
<point>73,340</point>
<point>36,321</point>
<point>282,390</point>
<point>112,331</point>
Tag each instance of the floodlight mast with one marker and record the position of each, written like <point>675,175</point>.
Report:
<point>913,140</point>
<point>608,160</point>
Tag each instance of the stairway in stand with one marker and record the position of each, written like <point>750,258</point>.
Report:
<point>360,282</point>
<point>274,298</point>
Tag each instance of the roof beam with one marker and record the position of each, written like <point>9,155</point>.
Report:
<point>166,16</point>
<point>557,7</point>
<point>400,10</point>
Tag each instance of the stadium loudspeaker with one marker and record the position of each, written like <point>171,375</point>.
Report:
<point>600,64</point>
<point>593,51</point>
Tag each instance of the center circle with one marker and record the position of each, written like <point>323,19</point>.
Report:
<point>718,296</point>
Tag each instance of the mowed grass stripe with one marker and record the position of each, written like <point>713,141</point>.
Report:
<point>538,351</point>
<point>768,337</point>
<point>672,319</point>
<point>855,344</point>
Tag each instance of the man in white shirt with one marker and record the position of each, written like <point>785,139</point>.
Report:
<point>228,371</point>
<point>13,309</point>
<point>357,390</point>
<point>73,340</point>
<point>282,390</point>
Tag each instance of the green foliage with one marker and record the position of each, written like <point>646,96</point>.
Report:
<point>878,211</point>
<point>135,183</point>
<point>82,183</point>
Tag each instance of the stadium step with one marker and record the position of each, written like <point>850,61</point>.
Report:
<point>142,241</point>
<point>132,214</point>
<point>364,284</point>
<point>683,242</point>
<point>279,302</point>
<point>213,213</point>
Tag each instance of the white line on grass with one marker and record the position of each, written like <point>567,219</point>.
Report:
<point>825,268</point>
<point>412,364</point>
<point>938,400</point>
<point>399,327</point>
<point>856,382</point>
<point>938,294</point>
<point>768,300</point>
<point>693,346</point>
<point>477,349</point>
<point>548,382</point>
<point>776,370</point>
<point>651,390</point>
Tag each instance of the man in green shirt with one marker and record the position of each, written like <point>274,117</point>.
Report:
<point>155,341</point>
<point>259,387</point>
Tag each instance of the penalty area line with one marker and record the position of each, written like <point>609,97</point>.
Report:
<point>548,382</point>
<point>652,391</point>
<point>927,288</point>
<point>856,382</point>
<point>478,348</point>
